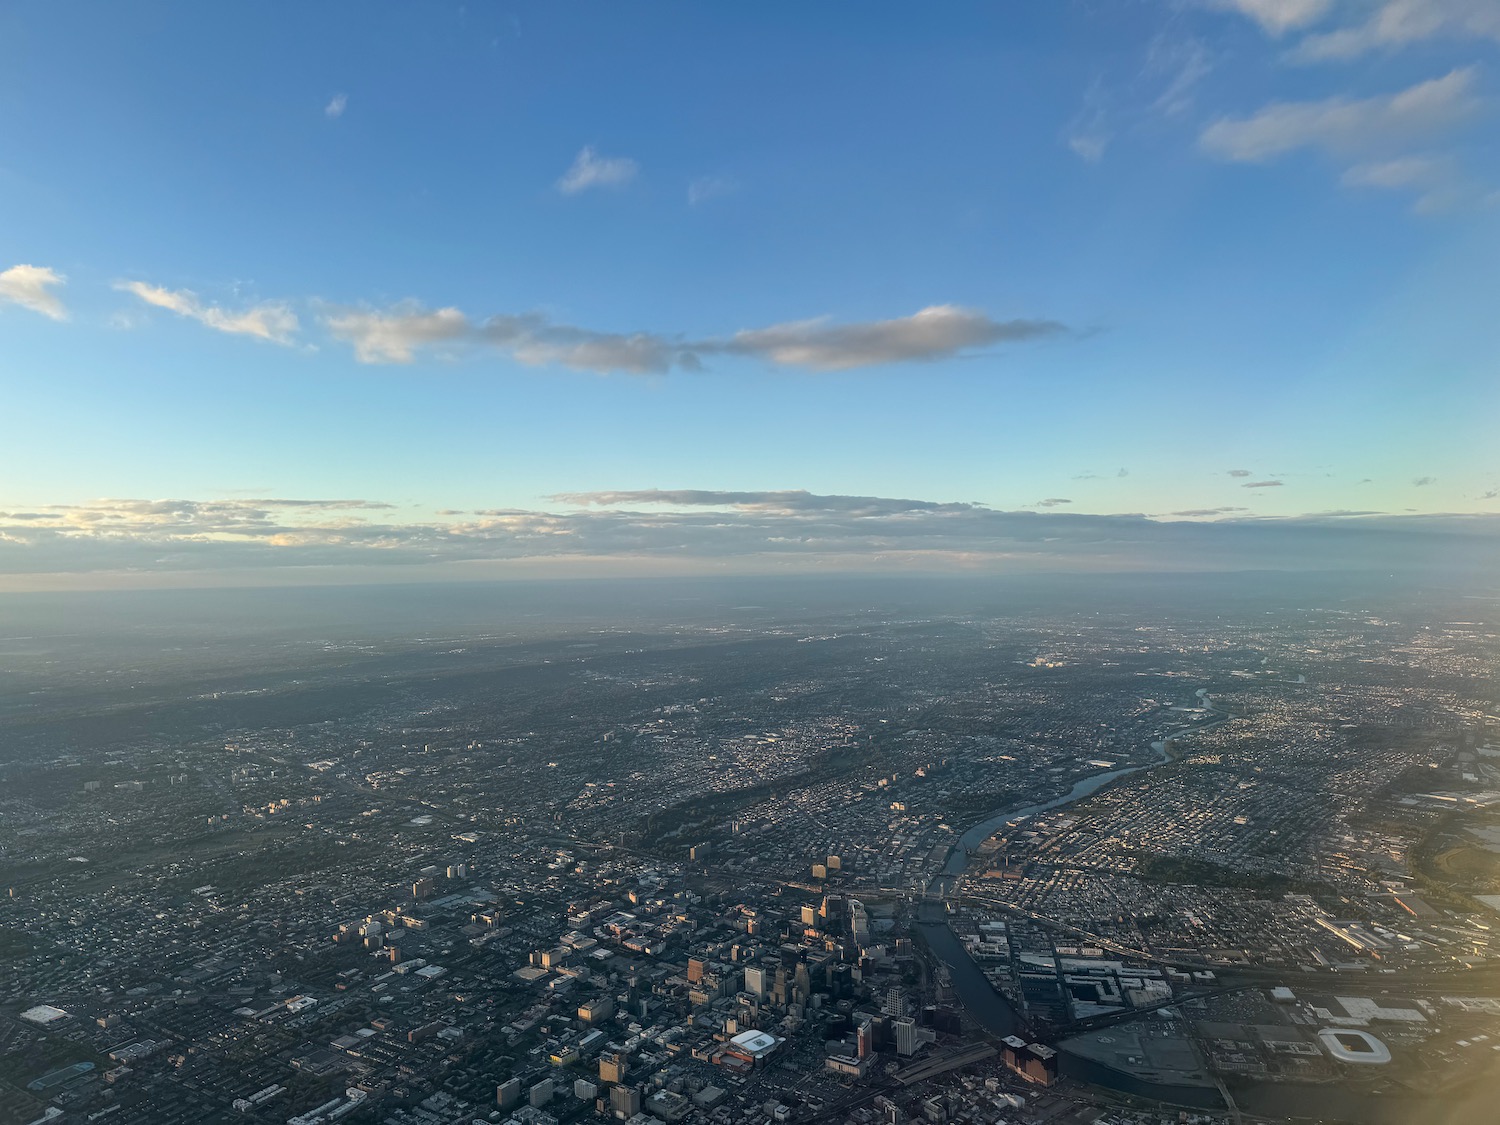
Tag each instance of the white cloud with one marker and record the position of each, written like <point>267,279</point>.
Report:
<point>784,502</point>
<point>31,288</point>
<point>1398,23</point>
<point>1089,133</point>
<point>589,170</point>
<point>935,332</point>
<point>1344,126</point>
<point>1402,172</point>
<point>270,320</point>
<point>1278,17</point>
<point>1089,146</point>
<point>336,106</point>
<point>705,188</point>
<point>1435,180</point>
<point>394,335</point>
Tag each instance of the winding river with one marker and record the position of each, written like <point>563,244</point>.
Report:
<point>998,1016</point>
<point>958,855</point>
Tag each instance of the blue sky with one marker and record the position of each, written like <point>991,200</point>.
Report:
<point>1221,260</point>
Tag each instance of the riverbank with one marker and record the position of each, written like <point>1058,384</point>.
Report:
<point>969,842</point>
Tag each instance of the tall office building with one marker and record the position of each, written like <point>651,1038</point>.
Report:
<point>625,1101</point>
<point>906,1036</point>
<point>541,1093</point>
<point>755,981</point>
<point>802,984</point>
<point>612,1068</point>
<point>895,1003</point>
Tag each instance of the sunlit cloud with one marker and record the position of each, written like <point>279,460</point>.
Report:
<point>395,334</point>
<point>787,501</point>
<point>32,287</point>
<point>270,320</point>
<point>590,170</point>
<point>336,106</point>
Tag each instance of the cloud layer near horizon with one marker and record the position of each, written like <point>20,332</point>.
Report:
<point>714,531</point>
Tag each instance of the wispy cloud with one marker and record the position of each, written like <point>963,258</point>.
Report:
<point>1239,472</point>
<point>1089,132</point>
<point>1423,482</point>
<point>1053,502</point>
<point>1278,17</point>
<point>1435,180</point>
<point>1345,126</point>
<point>1263,484</point>
<point>590,170</point>
<point>705,188</point>
<point>270,320</point>
<point>396,334</point>
<point>336,106</point>
<point>1393,24</point>
<point>1162,84</point>
<point>32,287</point>
<point>1180,64</point>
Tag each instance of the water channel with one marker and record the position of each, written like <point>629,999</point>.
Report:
<point>998,1016</point>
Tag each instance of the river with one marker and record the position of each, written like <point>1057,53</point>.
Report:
<point>998,1016</point>
<point>958,855</point>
